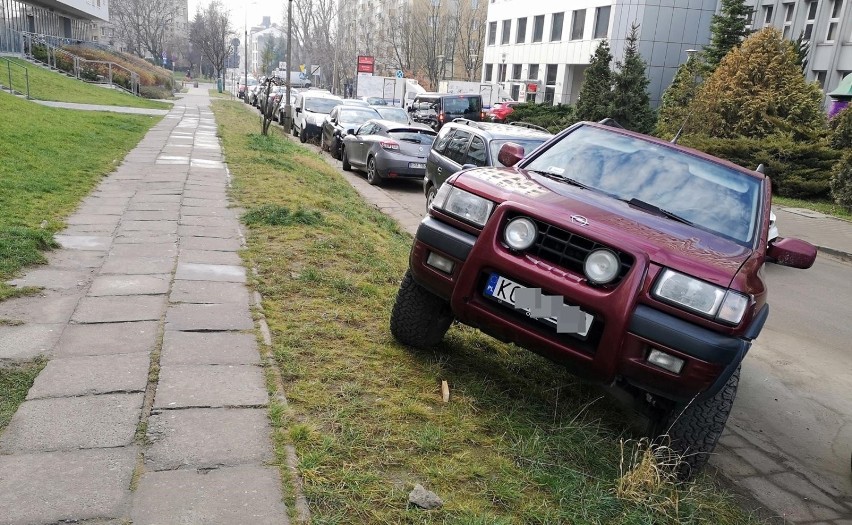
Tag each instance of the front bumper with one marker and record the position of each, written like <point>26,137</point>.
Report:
<point>623,333</point>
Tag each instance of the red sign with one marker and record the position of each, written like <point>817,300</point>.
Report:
<point>366,64</point>
<point>532,88</point>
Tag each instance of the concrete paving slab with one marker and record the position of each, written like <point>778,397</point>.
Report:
<point>120,309</point>
<point>207,292</point>
<point>153,206</point>
<point>197,211</point>
<point>209,257</point>
<point>155,198</point>
<point>205,203</point>
<point>81,376</point>
<point>154,249</point>
<point>43,425</point>
<point>54,279</point>
<point>130,265</point>
<point>100,209</point>
<point>66,487</point>
<point>210,243</point>
<point>89,229</point>
<point>74,259</point>
<point>198,220</point>
<point>140,237</point>
<point>209,348</point>
<point>48,308</point>
<point>105,202</point>
<point>209,231</point>
<point>130,285</point>
<point>227,495</point>
<point>28,341</point>
<point>107,339</point>
<point>148,226</point>
<point>157,215</point>
<point>210,272</point>
<point>84,242</point>
<point>207,317</point>
<point>210,386</point>
<point>208,438</point>
<point>83,218</point>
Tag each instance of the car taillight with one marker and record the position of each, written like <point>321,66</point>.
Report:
<point>388,144</point>
<point>481,115</point>
<point>441,116</point>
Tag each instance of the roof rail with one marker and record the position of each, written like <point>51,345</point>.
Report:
<point>467,121</point>
<point>610,122</point>
<point>528,125</point>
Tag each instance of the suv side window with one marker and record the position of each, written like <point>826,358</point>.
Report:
<point>458,146</point>
<point>476,153</point>
<point>442,140</point>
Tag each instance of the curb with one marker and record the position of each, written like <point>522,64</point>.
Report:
<point>845,256</point>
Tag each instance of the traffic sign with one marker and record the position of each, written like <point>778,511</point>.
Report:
<point>398,73</point>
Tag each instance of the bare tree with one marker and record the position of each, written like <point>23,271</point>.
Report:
<point>144,25</point>
<point>472,23</point>
<point>433,37</point>
<point>209,32</point>
<point>399,36</point>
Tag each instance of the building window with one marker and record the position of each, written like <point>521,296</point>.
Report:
<point>492,33</point>
<point>489,69</point>
<point>578,23</point>
<point>819,76</point>
<point>501,73</point>
<point>538,28</point>
<point>516,73</point>
<point>602,22</point>
<point>767,15</point>
<point>788,19</point>
<point>532,72</point>
<point>521,32</point>
<point>834,20</point>
<point>556,27</point>
<point>507,28</point>
<point>550,83</point>
<point>516,91</point>
<point>810,20</point>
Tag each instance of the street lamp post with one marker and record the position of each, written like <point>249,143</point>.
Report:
<point>287,107</point>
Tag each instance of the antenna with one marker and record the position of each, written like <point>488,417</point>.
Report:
<point>760,168</point>
<point>680,130</point>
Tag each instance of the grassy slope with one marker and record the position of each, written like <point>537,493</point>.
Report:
<point>47,168</point>
<point>520,441</point>
<point>50,85</point>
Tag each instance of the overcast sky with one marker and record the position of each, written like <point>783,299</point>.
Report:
<point>255,10</point>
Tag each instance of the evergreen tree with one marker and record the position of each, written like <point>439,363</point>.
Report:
<point>727,30</point>
<point>674,108</point>
<point>631,105</point>
<point>803,49</point>
<point>596,91</point>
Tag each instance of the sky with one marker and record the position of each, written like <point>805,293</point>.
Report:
<point>255,10</point>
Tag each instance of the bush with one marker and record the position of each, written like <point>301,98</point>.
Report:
<point>798,169</point>
<point>841,181</point>
<point>553,118</point>
<point>841,129</point>
<point>155,92</point>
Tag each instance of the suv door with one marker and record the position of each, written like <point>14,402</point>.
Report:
<point>454,156</point>
<point>434,168</point>
<point>477,152</point>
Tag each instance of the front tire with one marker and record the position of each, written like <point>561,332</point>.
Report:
<point>345,161</point>
<point>303,136</point>
<point>373,177</point>
<point>419,318</point>
<point>334,148</point>
<point>693,431</point>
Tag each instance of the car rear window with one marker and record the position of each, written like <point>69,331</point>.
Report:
<point>462,104</point>
<point>357,115</point>
<point>416,136</point>
<point>394,114</point>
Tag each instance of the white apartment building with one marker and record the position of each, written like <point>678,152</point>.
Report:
<point>826,24</point>
<point>69,19</point>
<point>540,48</point>
<point>257,39</point>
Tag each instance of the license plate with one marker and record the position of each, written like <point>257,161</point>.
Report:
<point>419,165</point>
<point>548,309</point>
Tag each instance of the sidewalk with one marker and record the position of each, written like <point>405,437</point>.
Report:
<point>831,235</point>
<point>97,107</point>
<point>152,408</point>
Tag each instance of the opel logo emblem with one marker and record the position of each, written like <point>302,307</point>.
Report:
<point>579,219</point>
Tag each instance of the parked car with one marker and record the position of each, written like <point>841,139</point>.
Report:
<point>386,149</point>
<point>464,143</point>
<point>448,107</point>
<point>500,110</point>
<point>355,102</point>
<point>343,120</point>
<point>241,93</point>
<point>252,94</point>
<point>376,101</point>
<point>309,111</point>
<point>393,113</point>
<point>633,261</point>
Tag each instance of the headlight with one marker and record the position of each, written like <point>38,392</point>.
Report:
<point>520,234</point>
<point>601,266</point>
<point>463,204</point>
<point>707,299</point>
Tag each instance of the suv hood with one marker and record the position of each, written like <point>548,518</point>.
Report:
<point>669,243</point>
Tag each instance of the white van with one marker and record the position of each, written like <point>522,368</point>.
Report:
<point>309,111</point>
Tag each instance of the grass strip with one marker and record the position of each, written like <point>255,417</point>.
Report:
<point>50,85</point>
<point>520,441</point>
<point>822,206</point>
<point>48,168</point>
<point>15,382</point>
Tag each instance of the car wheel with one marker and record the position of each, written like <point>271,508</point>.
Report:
<point>430,196</point>
<point>334,148</point>
<point>419,318</point>
<point>345,161</point>
<point>303,136</point>
<point>373,176</point>
<point>293,130</point>
<point>692,431</point>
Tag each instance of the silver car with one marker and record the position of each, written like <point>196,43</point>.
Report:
<point>393,113</point>
<point>388,150</point>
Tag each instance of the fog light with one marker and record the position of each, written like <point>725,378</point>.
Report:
<point>520,234</point>
<point>440,262</point>
<point>666,361</point>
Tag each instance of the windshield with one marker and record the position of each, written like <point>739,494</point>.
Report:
<point>527,144</point>
<point>709,195</point>
<point>423,137</point>
<point>394,114</point>
<point>321,105</point>
<point>356,115</point>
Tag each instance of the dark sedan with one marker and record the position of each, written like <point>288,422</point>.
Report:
<point>387,149</point>
<point>343,119</point>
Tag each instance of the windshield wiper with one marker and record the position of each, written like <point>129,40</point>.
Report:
<point>561,178</point>
<point>647,206</point>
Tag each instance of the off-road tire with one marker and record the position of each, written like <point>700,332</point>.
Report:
<point>693,431</point>
<point>419,318</point>
<point>373,177</point>
<point>344,160</point>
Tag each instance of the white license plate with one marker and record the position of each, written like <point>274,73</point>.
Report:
<point>417,165</point>
<point>550,310</point>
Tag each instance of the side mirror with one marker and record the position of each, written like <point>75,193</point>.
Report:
<point>298,110</point>
<point>350,131</point>
<point>791,252</point>
<point>510,154</point>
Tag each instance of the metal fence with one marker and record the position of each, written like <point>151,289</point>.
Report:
<point>12,79</point>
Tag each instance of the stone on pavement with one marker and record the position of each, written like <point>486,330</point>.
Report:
<point>111,338</point>
<point>80,376</point>
<point>184,386</point>
<point>209,348</point>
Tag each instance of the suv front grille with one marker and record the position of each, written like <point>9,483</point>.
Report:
<point>569,250</point>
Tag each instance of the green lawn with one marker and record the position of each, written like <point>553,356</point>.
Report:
<point>15,382</point>
<point>823,206</point>
<point>52,158</point>
<point>50,85</point>
<point>520,440</point>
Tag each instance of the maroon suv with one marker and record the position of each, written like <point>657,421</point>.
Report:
<point>633,261</point>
